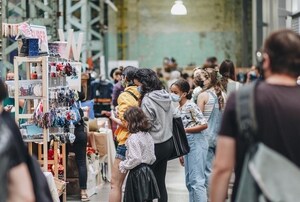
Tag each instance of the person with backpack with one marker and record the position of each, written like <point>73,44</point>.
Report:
<point>273,122</point>
<point>22,180</point>
<point>128,98</point>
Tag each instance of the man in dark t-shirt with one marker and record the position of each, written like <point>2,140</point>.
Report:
<point>277,110</point>
<point>16,183</point>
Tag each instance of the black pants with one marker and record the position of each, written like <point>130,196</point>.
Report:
<point>79,148</point>
<point>162,152</point>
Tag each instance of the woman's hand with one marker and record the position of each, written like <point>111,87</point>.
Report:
<point>181,160</point>
<point>8,108</point>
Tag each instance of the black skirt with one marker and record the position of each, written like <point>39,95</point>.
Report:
<point>141,185</point>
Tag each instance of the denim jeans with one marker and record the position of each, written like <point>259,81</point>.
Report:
<point>209,161</point>
<point>121,152</point>
<point>214,123</point>
<point>194,164</point>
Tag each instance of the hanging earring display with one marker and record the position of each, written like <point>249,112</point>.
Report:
<point>61,70</point>
<point>68,69</point>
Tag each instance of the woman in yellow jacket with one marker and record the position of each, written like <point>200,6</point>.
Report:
<point>128,98</point>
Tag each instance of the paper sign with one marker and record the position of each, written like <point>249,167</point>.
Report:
<point>40,32</point>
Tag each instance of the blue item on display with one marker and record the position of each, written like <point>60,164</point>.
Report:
<point>90,104</point>
<point>33,47</point>
<point>29,47</point>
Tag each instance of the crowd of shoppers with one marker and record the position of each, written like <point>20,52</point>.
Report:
<point>201,107</point>
<point>144,109</point>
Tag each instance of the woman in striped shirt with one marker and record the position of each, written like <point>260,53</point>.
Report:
<point>211,102</point>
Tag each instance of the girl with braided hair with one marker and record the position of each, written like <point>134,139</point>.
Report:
<point>211,102</point>
<point>228,82</point>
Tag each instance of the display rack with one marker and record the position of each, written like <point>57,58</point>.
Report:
<point>31,104</point>
<point>28,61</point>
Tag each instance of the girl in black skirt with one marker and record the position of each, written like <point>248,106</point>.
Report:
<point>141,184</point>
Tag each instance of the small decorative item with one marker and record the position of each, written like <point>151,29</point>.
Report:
<point>53,72</point>
<point>28,47</point>
<point>33,46</point>
<point>72,127</point>
<point>37,90</point>
<point>68,69</point>
<point>39,71</point>
<point>33,73</point>
<point>71,137</point>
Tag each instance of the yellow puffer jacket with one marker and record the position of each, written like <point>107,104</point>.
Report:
<point>125,100</point>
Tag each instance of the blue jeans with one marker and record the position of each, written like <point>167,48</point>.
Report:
<point>214,123</point>
<point>209,161</point>
<point>194,164</point>
<point>121,152</point>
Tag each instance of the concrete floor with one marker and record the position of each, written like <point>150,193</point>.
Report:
<point>175,182</point>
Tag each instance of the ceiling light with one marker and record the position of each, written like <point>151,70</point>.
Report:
<point>178,8</point>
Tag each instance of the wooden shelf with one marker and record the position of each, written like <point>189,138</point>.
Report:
<point>33,59</point>
<point>31,97</point>
<point>25,116</point>
<point>33,140</point>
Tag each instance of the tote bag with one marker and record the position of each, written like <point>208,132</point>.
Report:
<point>181,146</point>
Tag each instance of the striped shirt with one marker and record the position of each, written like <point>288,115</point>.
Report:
<point>210,103</point>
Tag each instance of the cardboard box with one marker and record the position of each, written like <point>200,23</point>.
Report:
<point>101,143</point>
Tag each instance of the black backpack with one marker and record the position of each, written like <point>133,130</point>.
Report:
<point>39,181</point>
<point>266,175</point>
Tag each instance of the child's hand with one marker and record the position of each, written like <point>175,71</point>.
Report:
<point>112,114</point>
<point>121,169</point>
<point>106,113</point>
<point>181,160</point>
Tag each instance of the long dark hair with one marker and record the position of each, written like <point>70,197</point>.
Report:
<point>227,71</point>
<point>216,84</point>
<point>3,91</point>
<point>184,86</point>
<point>149,80</point>
<point>137,120</point>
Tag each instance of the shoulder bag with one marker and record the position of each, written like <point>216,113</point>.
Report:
<point>266,175</point>
<point>181,145</point>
